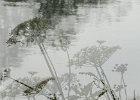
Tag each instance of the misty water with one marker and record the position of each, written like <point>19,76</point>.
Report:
<point>115,21</point>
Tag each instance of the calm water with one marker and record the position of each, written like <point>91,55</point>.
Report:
<point>117,22</point>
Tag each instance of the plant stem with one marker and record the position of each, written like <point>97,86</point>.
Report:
<point>28,98</point>
<point>69,73</point>
<point>120,95</point>
<point>120,90</point>
<point>41,48</point>
<point>51,64</point>
<point>124,86</point>
<point>134,95</point>
<point>34,98</point>
<point>103,73</point>
<point>53,68</point>
<point>102,81</point>
<point>110,90</point>
<point>22,83</point>
<point>105,77</point>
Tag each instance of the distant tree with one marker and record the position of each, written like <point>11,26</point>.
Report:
<point>16,0</point>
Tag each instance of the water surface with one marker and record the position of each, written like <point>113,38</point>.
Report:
<point>116,21</point>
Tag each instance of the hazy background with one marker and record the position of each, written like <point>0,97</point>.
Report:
<point>117,22</point>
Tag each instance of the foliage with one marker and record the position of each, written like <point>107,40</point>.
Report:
<point>16,0</point>
<point>93,55</point>
<point>122,68</point>
<point>38,87</point>
<point>87,92</point>
<point>51,8</point>
<point>90,74</point>
<point>4,74</point>
<point>38,30</point>
<point>16,88</point>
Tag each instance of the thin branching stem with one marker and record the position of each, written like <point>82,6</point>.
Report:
<point>69,84</point>
<point>102,82</point>
<point>51,64</point>
<point>124,86</point>
<point>106,79</point>
<point>22,83</point>
<point>46,59</point>
<point>28,98</point>
<point>120,95</point>
<point>109,86</point>
<point>33,98</point>
<point>53,68</point>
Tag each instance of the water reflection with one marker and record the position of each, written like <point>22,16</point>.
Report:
<point>104,12</point>
<point>96,13</point>
<point>16,0</point>
<point>8,20</point>
<point>99,11</point>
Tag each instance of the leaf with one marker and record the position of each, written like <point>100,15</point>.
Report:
<point>41,84</point>
<point>38,87</point>
<point>112,93</point>
<point>102,93</point>
<point>87,89</point>
<point>89,73</point>
<point>98,93</point>
<point>76,90</point>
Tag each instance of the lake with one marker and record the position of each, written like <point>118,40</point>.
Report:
<point>115,21</point>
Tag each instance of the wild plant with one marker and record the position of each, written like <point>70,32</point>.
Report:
<point>95,57</point>
<point>122,68</point>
